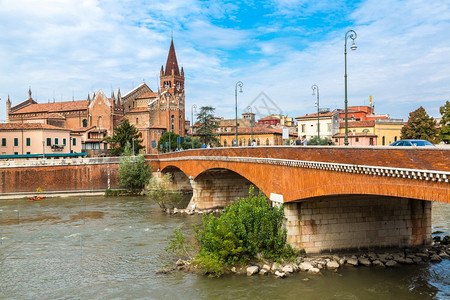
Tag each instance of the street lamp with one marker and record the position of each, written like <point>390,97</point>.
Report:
<point>238,84</point>
<point>43,149</point>
<point>314,88</point>
<point>352,35</point>
<point>194,107</point>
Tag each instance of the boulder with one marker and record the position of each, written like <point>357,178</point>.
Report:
<point>444,255</point>
<point>391,263</point>
<point>342,261</point>
<point>233,269</point>
<point>276,267</point>
<point>408,261</point>
<point>252,270</point>
<point>305,266</point>
<point>279,274</point>
<point>263,272</point>
<point>435,258</point>
<point>421,254</point>
<point>352,261</point>
<point>287,269</point>
<point>266,267</point>
<point>314,271</point>
<point>364,261</point>
<point>332,265</point>
<point>378,263</point>
<point>180,262</point>
<point>417,259</point>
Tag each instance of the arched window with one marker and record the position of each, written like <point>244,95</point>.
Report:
<point>84,123</point>
<point>267,142</point>
<point>100,122</point>
<point>172,122</point>
<point>395,138</point>
<point>137,121</point>
<point>240,142</point>
<point>383,140</point>
<point>224,143</point>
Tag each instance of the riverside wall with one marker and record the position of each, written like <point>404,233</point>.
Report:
<point>85,174</point>
<point>352,222</point>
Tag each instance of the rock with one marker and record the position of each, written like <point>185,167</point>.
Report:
<point>417,259</point>
<point>408,261</point>
<point>181,262</point>
<point>266,267</point>
<point>319,266</point>
<point>190,212</point>
<point>314,271</point>
<point>279,274</point>
<point>332,265</point>
<point>287,269</point>
<point>168,211</point>
<point>444,255</point>
<point>391,263</point>
<point>378,263</point>
<point>342,261</point>
<point>263,272</point>
<point>435,258</point>
<point>233,270</point>
<point>372,256</point>
<point>305,266</point>
<point>276,267</point>
<point>175,210</point>
<point>421,254</point>
<point>252,270</point>
<point>352,261</point>
<point>364,261</point>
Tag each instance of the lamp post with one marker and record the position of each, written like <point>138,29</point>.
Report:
<point>314,88</point>
<point>43,149</point>
<point>132,139</point>
<point>194,107</point>
<point>350,34</point>
<point>238,84</point>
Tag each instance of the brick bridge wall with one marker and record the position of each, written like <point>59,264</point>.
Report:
<point>59,175</point>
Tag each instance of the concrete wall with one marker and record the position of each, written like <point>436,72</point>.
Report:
<point>54,176</point>
<point>346,223</point>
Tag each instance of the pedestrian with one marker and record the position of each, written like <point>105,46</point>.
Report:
<point>304,141</point>
<point>208,146</point>
<point>253,143</point>
<point>298,142</point>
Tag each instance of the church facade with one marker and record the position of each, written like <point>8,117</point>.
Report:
<point>94,118</point>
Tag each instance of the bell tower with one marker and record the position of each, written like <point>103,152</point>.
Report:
<point>171,98</point>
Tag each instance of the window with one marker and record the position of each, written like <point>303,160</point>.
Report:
<point>56,141</point>
<point>28,152</point>
<point>357,140</point>
<point>16,153</point>
<point>100,122</point>
<point>16,142</point>
<point>267,142</point>
<point>3,142</point>
<point>329,127</point>
<point>303,127</point>
<point>383,140</point>
<point>28,142</point>
<point>64,142</point>
<point>84,123</point>
<point>49,141</point>
<point>137,121</point>
<point>74,142</point>
<point>172,122</point>
<point>395,138</point>
<point>224,143</point>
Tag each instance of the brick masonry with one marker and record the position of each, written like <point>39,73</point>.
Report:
<point>352,222</point>
<point>59,178</point>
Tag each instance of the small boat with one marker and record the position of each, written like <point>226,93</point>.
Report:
<point>36,198</point>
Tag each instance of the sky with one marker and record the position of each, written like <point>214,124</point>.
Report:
<point>278,49</point>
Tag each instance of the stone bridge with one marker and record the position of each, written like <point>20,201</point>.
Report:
<point>335,198</point>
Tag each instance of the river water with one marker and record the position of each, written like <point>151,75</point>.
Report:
<point>112,248</point>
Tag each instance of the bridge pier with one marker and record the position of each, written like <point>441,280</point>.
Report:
<point>357,222</point>
<point>218,188</point>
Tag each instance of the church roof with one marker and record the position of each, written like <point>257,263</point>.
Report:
<point>148,95</point>
<point>172,61</point>
<point>53,107</point>
<point>29,126</point>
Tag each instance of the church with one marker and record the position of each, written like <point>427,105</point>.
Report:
<point>93,119</point>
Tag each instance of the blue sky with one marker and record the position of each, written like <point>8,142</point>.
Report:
<point>65,49</point>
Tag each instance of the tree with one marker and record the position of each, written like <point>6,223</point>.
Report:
<point>134,173</point>
<point>165,138</point>
<point>420,126</point>
<point>187,144</point>
<point>123,134</point>
<point>445,122</point>
<point>207,124</point>
<point>315,140</point>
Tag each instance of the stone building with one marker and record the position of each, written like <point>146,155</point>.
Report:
<point>95,118</point>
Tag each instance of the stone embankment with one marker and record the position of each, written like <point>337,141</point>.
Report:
<point>317,264</point>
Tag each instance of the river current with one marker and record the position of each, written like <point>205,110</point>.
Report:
<point>112,248</point>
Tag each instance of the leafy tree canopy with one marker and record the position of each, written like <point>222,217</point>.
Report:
<point>420,126</point>
<point>123,134</point>
<point>171,139</point>
<point>207,125</point>
<point>314,141</point>
<point>445,122</point>
<point>134,173</point>
<point>188,142</point>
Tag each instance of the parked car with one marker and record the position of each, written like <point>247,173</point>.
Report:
<point>413,143</point>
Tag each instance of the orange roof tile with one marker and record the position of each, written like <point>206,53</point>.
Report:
<point>29,126</point>
<point>352,124</point>
<point>53,107</point>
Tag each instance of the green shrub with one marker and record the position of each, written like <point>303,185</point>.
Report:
<point>247,227</point>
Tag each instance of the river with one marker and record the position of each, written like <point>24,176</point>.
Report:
<point>111,248</point>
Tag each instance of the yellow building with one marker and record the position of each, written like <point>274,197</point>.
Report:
<point>263,136</point>
<point>378,132</point>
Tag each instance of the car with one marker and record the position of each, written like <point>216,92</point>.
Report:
<point>413,143</point>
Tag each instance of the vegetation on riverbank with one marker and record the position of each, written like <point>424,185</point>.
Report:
<point>246,229</point>
<point>134,173</point>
